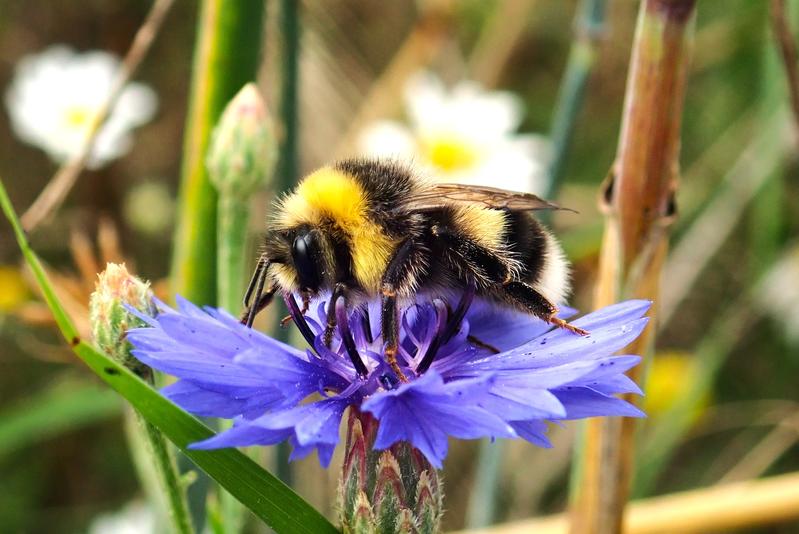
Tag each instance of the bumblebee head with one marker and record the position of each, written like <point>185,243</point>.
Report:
<point>300,258</point>
<point>306,255</point>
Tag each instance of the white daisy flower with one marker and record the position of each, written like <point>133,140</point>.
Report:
<point>779,293</point>
<point>463,135</point>
<point>55,95</point>
<point>134,518</point>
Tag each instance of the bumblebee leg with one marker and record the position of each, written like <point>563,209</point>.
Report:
<point>475,258</point>
<point>390,328</point>
<point>398,273</point>
<point>482,344</point>
<point>535,303</point>
<point>260,270</point>
<point>339,291</point>
<point>256,288</point>
<point>258,306</point>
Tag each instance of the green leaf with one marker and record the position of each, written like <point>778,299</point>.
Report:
<point>267,497</point>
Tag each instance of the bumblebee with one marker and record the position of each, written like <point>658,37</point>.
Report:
<point>365,228</point>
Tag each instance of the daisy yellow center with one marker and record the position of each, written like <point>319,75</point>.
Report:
<point>450,152</point>
<point>78,117</point>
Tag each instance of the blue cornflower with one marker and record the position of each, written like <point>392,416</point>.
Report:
<point>496,373</point>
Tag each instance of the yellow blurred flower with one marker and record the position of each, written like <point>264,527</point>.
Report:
<point>13,289</point>
<point>669,374</point>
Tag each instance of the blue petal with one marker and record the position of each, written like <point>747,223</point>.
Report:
<point>583,402</point>
<point>623,312</point>
<point>559,347</point>
<point>203,402</point>
<point>505,328</point>
<point>533,431</point>
<point>243,435</point>
<point>520,402</point>
<point>313,423</point>
<point>424,412</point>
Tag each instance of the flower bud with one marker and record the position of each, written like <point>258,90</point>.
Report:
<point>242,150</point>
<point>110,319</point>
<point>394,491</point>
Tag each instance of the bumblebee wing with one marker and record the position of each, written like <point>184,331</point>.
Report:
<point>439,195</point>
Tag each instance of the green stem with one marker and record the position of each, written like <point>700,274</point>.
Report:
<point>483,498</point>
<point>226,57</point>
<point>288,166</point>
<point>158,470</point>
<point>233,215</point>
<point>589,25</point>
<point>232,220</point>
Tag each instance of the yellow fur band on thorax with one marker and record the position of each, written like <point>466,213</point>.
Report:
<point>329,196</point>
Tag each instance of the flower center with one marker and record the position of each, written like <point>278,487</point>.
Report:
<point>78,117</point>
<point>450,152</point>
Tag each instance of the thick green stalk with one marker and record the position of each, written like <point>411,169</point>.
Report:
<point>288,164</point>
<point>233,218</point>
<point>226,57</point>
<point>158,470</point>
<point>239,162</point>
<point>588,26</point>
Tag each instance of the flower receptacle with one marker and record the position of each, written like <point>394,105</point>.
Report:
<point>391,491</point>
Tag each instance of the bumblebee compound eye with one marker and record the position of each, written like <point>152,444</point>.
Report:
<point>305,253</point>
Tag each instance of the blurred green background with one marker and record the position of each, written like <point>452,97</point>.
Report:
<point>728,351</point>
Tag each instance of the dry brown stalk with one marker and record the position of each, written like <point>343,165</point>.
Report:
<point>719,508</point>
<point>64,179</point>
<point>639,205</point>
<point>787,47</point>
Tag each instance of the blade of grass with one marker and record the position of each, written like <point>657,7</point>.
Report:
<point>58,408</point>
<point>588,27</point>
<point>267,497</point>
